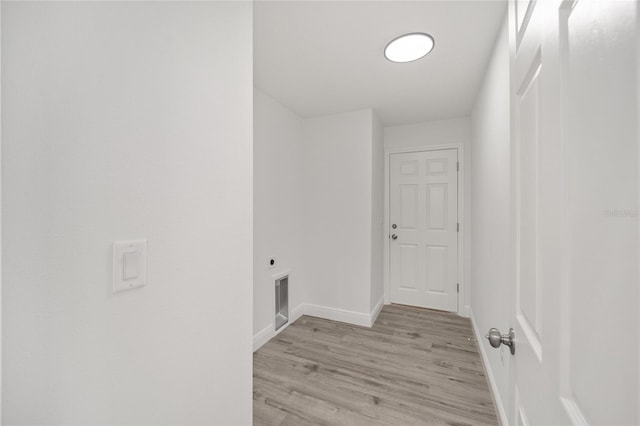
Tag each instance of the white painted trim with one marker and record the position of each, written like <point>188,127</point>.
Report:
<point>573,411</point>
<point>376,311</point>
<point>335,314</point>
<point>467,311</point>
<point>281,274</point>
<point>342,315</point>
<point>263,336</point>
<point>1,363</point>
<point>462,310</point>
<point>423,148</point>
<point>638,159</point>
<point>386,292</point>
<point>297,312</point>
<point>269,332</point>
<point>511,22</point>
<point>495,394</point>
<point>324,312</point>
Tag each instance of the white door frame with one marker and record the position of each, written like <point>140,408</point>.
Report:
<point>387,183</point>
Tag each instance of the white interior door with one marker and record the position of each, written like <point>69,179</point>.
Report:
<point>423,201</point>
<point>575,175</point>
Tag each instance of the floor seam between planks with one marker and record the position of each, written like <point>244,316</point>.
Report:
<point>413,367</point>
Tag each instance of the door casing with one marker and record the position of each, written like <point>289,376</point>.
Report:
<point>462,310</point>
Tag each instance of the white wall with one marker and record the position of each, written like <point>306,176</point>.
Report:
<point>455,130</point>
<point>338,199</point>
<point>127,120</point>
<point>377,214</point>
<point>1,174</point>
<point>278,207</point>
<point>490,204</point>
<point>318,209</point>
<point>601,170</point>
<point>638,201</point>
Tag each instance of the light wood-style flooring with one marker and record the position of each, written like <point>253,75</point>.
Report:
<point>413,367</point>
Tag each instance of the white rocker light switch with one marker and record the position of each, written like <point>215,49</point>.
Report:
<point>129,265</point>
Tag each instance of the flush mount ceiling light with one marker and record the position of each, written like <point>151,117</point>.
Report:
<point>409,47</point>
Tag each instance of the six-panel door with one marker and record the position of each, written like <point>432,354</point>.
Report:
<point>575,164</point>
<point>424,210</point>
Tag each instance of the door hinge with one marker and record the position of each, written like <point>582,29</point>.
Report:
<point>458,227</point>
<point>458,287</point>
<point>458,166</point>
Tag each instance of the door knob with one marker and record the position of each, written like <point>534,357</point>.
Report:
<point>496,339</point>
<point>394,237</point>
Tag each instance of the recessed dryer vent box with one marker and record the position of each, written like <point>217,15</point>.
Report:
<point>282,301</point>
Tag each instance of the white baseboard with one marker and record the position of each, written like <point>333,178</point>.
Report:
<point>335,314</point>
<point>466,312</point>
<point>325,312</point>
<point>269,332</point>
<point>297,312</point>
<point>263,336</point>
<point>495,394</point>
<point>376,311</point>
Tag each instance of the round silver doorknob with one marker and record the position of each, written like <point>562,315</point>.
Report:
<point>496,339</point>
<point>394,237</point>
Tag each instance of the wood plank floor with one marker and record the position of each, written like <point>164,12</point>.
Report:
<point>413,367</point>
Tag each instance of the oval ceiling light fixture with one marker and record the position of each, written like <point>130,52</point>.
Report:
<point>409,47</point>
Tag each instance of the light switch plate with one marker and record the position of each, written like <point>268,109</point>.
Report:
<point>129,265</point>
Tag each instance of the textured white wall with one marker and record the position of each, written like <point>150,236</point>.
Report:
<point>1,257</point>
<point>278,206</point>
<point>127,120</point>
<point>490,204</point>
<point>638,202</point>
<point>377,213</point>
<point>455,130</point>
<point>318,208</point>
<point>601,170</point>
<point>337,199</point>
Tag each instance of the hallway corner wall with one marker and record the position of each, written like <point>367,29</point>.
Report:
<point>126,120</point>
<point>490,204</point>
<point>338,162</point>
<point>318,202</point>
<point>377,216</point>
<point>278,210</point>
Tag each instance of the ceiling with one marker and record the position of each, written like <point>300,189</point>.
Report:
<point>325,57</point>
